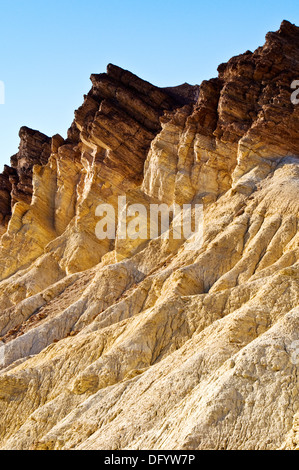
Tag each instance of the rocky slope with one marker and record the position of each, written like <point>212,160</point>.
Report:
<point>146,344</point>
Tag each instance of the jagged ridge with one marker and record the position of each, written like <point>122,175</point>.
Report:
<point>111,344</point>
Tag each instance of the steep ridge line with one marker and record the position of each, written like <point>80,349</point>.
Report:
<point>113,344</point>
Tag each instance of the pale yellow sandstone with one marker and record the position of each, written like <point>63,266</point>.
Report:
<point>146,344</point>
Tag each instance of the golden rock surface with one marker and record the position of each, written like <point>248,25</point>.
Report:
<point>146,344</point>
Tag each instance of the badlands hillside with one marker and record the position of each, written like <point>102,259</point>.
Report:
<point>148,344</point>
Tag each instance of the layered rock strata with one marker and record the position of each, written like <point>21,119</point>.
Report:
<point>16,181</point>
<point>148,344</point>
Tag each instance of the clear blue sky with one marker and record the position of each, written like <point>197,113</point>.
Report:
<point>50,48</point>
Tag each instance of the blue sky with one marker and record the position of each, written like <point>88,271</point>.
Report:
<point>50,48</point>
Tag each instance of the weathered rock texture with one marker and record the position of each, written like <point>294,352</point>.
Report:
<point>16,181</point>
<point>150,345</point>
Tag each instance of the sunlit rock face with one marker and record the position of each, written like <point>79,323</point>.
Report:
<point>146,344</point>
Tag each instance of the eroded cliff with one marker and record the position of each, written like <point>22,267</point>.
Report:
<point>146,344</point>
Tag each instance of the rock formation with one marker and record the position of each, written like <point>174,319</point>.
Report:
<point>16,181</point>
<point>146,344</point>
